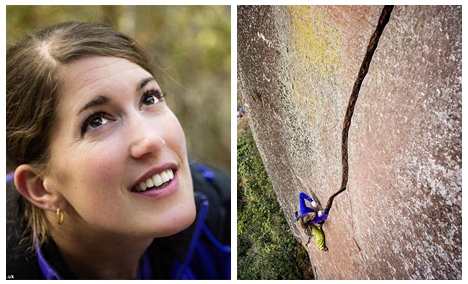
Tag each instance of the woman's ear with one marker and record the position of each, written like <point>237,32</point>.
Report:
<point>30,184</point>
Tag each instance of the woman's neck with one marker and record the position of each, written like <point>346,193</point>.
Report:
<point>100,256</point>
<point>104,262</point>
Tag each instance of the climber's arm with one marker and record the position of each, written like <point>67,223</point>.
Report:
<point>319,219</point>
<point>303,208</point>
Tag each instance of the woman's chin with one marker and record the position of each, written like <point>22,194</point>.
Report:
<point>174,223</point>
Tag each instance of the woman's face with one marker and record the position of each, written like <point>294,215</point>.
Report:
<point>118,153</point>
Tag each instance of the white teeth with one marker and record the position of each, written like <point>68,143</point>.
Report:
<point>142,186</point>
<point>164,176</point>
<point>149,183</point>
<point>156,180</point>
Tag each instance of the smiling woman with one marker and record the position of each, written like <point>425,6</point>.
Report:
<point>106,190</point>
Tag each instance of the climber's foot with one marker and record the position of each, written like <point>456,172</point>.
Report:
<point>325,249</point>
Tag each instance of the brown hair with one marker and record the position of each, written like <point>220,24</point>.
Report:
<point>305,220</point>
<point>33,92</point>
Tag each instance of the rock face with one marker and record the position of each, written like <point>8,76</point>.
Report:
<point>400,217</point>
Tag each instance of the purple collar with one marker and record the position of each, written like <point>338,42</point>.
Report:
<point>47,270</point>
<point>9,177</point>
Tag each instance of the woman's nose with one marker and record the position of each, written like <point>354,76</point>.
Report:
<point>145,139</point>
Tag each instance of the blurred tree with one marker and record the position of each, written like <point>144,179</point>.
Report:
<point>191,49</point>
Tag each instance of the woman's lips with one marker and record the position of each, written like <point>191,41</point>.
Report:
<point>156,181</point>
<point>168,181</point>
<point>158,174</point>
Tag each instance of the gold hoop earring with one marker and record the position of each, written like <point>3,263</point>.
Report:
<point>59,216</point>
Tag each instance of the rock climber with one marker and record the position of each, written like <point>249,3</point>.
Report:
<point>311,221</point>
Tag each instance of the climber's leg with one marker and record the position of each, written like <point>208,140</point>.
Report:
<point>319,237</point>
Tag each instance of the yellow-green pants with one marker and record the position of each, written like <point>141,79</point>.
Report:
<point>319,237</point>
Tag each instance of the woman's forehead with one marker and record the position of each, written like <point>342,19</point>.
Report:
<point>89,77</point>
<point>93,73</point>
<point>88,69</point>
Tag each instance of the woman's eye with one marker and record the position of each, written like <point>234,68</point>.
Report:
<point>93,122</point>
<point>151,98</point>
<point>97,121</point>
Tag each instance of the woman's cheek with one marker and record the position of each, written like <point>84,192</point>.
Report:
<point>174,135</point>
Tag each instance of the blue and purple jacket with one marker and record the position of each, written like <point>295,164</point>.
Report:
<point>304,209</point>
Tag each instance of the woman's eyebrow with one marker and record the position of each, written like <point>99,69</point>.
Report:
<point>101,100</point>
<point>143,83</point>
<point>98,101</point>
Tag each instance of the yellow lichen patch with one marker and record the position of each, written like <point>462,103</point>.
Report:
<point>315,38</point>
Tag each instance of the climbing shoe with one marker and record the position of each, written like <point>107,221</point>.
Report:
<point>296,215</point>
<point>325,249</point>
